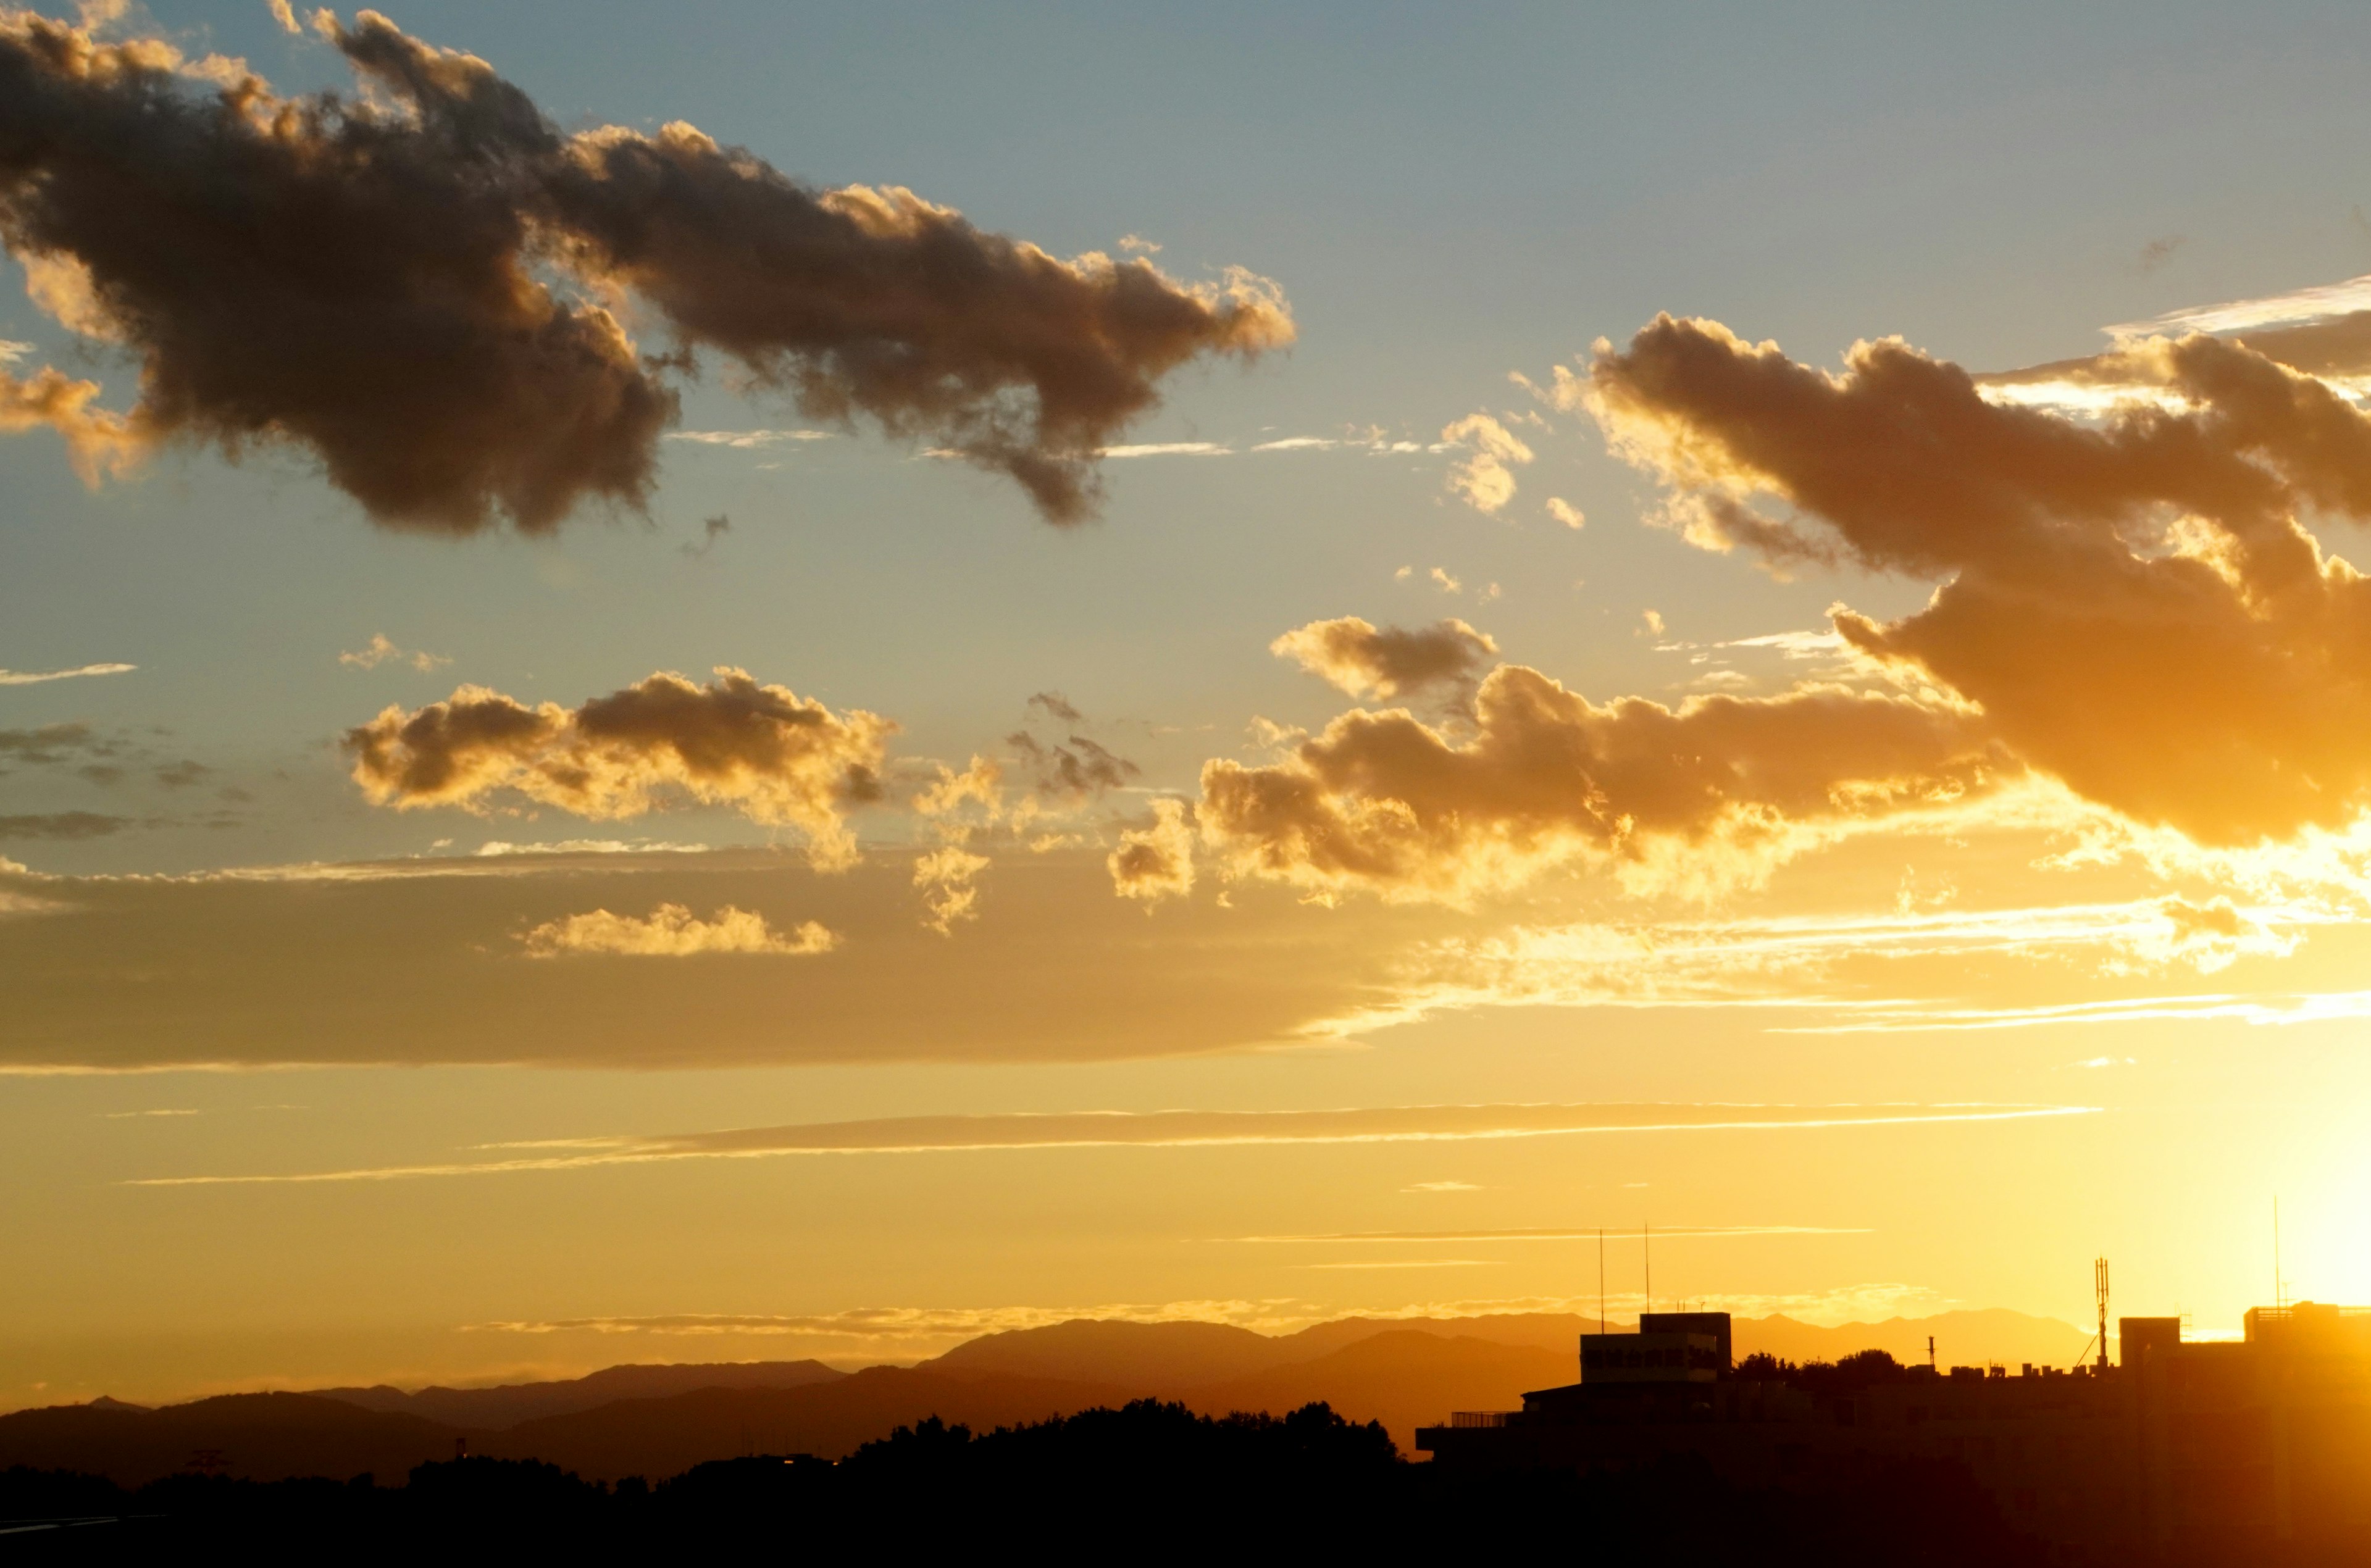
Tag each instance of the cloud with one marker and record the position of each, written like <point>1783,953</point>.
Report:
<point>948,873</point>
<point>1586,1233</point>
<point>745,440</point>
<point>671,932</point>
<point>2158,252</point>
<point>711,529</point>
<point>1566,513</point>
<point>1054,704</point>
<point>1191,1129</point>
<point>413,286</point>
<point>1712,792</point>
<point>1486,478</point>
<point>2131,601</point>
<point>1080,769</point>
<point>774,756</point>
<point>22,677</point>
<point>1363,660</point>
<point>1858,969</point>
<point>62,825</point>
<point>378,650</point>
<point>1170,449</point>
<point>1156,862</point>
<point>53,743</point>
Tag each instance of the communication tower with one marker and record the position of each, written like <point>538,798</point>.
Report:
<point>2100,1283</point>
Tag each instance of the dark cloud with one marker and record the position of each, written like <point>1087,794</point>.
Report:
<point>53,743</point>
<point>1077,770</point>
<point>711,529</point>
<point>763,750</point>
<point>423,960</point>
<point>410,286</point>
<point>182,774</point>
<point>1054,704</point>
<point>62,825</point>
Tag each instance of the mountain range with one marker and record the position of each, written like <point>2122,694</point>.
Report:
<point>658,1420</point>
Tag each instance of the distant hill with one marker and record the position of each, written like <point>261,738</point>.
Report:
<point>506,1405</point>
<point>657,1420</point>
<point>1962,1339</point>
<point>260,1436</point>
<point>662,1437</point>
<point>1155,1358</point>
<point>1405,1378</point>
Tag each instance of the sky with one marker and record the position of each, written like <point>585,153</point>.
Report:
<point>737,682</point>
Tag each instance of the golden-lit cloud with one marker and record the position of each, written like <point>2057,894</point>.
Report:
<point>776,758</point>
<point>1155,862</point>
<point>1486,477</point>
<point>1712,793</point>
<point>1177,1129</point>
<point>672,931</point>
<point>443,342</point>
<point>379,651</point>
<point>2132,602</point>
<point>1364,660</point>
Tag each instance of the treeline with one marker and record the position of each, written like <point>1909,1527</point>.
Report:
<point>1148,1481</point>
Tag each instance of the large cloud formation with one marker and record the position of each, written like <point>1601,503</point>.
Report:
<point>420,286</point>
<point>2131,600</point>
<point>1385,802</point>
<point>777,757</point>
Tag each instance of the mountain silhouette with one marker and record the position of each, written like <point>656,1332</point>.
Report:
<point>666,1437</point>
<point>656,1421</point>
<point>259,1437</point>
<point>511,1403</point>
<point>1405,1378</point>
<point>1153,1358</point>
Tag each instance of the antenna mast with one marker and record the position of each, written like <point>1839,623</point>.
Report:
<point>2100,1281</point>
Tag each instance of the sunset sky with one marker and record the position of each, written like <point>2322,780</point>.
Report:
<point>728,682</point>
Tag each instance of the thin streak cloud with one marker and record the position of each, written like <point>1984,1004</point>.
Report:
<point>1171,1129</point>
<point>1568,1233</point>
<point>35,677</point>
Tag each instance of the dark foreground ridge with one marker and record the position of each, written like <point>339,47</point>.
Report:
<point>1148,1481</point>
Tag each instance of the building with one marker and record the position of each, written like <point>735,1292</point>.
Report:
<point>2183,1453</point>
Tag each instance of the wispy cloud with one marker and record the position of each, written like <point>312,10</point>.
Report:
<point>1567,1233</point>
<point>378,650</point>
<point>1169,449</point>
<point>1411,1263</point>
<point>1168,1129</point>
<point>917,1330</point>
<point>2297,307</point>
<point>28,677</point>
<point>745,439</point>
<point>673,931</point>
<point>2260,1008</point>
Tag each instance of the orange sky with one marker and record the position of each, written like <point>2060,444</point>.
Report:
<point>622,742</point>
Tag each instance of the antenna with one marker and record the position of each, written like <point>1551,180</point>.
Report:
<point>1930,1352</point>
<point>2099,1280</point>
